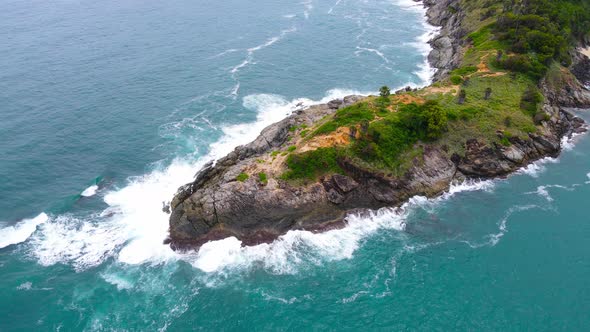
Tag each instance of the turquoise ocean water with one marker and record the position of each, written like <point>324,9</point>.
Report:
<point>107,107</point>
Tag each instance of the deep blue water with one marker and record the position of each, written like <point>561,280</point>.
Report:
<point>109,106</point>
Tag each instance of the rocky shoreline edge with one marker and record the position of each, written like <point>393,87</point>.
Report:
<point>215,205</point>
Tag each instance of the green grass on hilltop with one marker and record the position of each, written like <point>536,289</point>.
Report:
<point>512,44</point>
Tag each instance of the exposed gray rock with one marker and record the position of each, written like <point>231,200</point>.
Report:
<point>446,51</point>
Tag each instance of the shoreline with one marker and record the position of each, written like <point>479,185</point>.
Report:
<point>260,213</point>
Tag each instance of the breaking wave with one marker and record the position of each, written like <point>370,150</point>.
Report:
<point>132,229</point>
<point>20,232</point>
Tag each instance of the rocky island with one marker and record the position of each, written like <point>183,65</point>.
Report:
<point>506,73</point>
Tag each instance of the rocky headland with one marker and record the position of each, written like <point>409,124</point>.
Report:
<point>247,195</point>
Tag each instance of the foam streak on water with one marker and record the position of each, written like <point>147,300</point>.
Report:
<point>90,191</point>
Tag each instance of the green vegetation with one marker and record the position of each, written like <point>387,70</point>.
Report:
<point>539,32</point>
<point>263,178</point>
<point>346,116</point>
<point>388,138</point>
<point>294,128</point>
<point>292,148</point>
<point>531,100</point>
<point>311,164</point>
<point>456,79</point>
<point>464,71</point>
<point>242,177</point>
<point>511,45</point>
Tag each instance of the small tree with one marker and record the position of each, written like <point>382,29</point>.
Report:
<point>435,119</point>
<point>384,91</point>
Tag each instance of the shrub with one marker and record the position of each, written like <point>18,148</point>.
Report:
<point>384,91</point>
<point>311,164</point>
<point>531,100</point>
<point>435,118</point>
<point>504,141</point>
<point>469,113</point>
<point>242,177</point>
<point>456,79</point>
<point>526,64</point>
<point>292,148</point>
<point>463,71</point>
<point>262,178</point>
<point>346,116</point>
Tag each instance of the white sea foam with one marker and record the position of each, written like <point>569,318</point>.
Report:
<point>231,50</point>
<point>536,168</point>
<point>308,6</point>
<point>269,297</point>
<point>426,71</point>
<point>249,59</point>
<point>568,143</point>
<point>116,280</point>
<point>543,190</point>
<point>25,286</point>
<point>503,224</point>
<point>90,191</point>
<point>284,255</point>
<point>411,5</point>
<point>469,185</point>
<point>133,227</point>
<point>21,231</point>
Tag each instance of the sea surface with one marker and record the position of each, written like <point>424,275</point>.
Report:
<point>109,106</point>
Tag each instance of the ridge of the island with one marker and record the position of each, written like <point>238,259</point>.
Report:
<point>507,71</point>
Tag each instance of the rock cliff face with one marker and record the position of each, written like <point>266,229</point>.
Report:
<point>217,205</point>
<point>446,51</point>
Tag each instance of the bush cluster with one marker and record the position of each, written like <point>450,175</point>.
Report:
<point>386,139</point>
